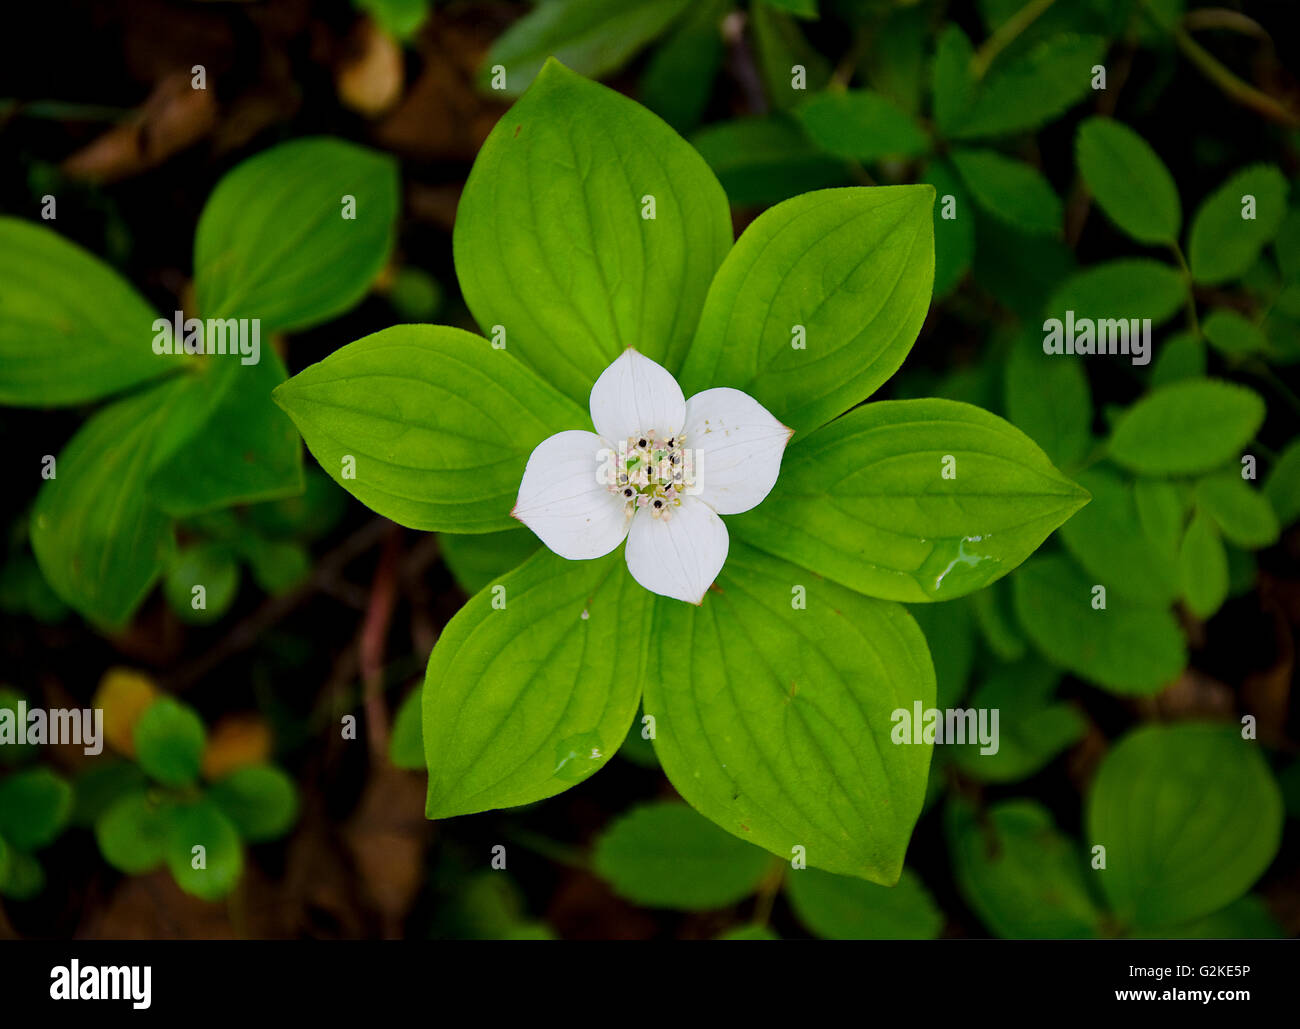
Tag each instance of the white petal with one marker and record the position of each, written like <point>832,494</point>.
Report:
<point>681,557</point>
<point>737,446</point>
<point>562,499</point>
<point>635,395</point>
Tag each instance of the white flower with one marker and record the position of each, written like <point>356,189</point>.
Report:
<point>657,471</point>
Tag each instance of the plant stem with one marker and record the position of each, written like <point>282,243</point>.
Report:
<point>767,891</point>
<point>1192,322</point>
<point>1006,34</point>
<point>1230,85</point>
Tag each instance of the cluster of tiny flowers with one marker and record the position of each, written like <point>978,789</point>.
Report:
<point>652,474</point>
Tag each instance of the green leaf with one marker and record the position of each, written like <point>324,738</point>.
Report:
<point>260,801</point>
<point>1182,356</point>
<point>749,932</point>
<point>524,700</point>
<point>778,728</point>
<point>98,538</point>
<point>1187,427</point>
<point>950,633</point>
<point>34,807</point>
<point>169,739</point>
<point>1049,399</point>
<point>16,750</point>
<point>275,241</point>
<point>438,424</point>
<point>406,746</point>
<point>1022,877</point>
<point>1031,730</point>
<point>1223,244</point>
<point>1233,335</point>
<point>1161,512</point>
<point>1132,287</point>
<point>132,833</point>
<point>100,784</point>
<point>1128,180</point>
<point>1190,817</point>
<point>836,907</point>
<point>860,125</point>
<point>995,617</point>
<point>679,77</point>
<point>1024,93</point>
<point>478,561</point>
<point>781,50</point>
<point>764,160</point>
<point>1019,270</point>
<point>207,565</point>
<point>953,83</point>
<point>1107,540</point>
<point>1129,648</point>
<point>1203,563</point>
<point>24,879</point>
<point>954,237</point>
<point>1282,487</point>
<point>852,267</point>
<point>1011,191</point>
<point>71,328</point>
<point>221,861</point>
<point>593,37</point>
<point>799,8</point>
<point>1242,514</point>
<point>401,18</point>
<point>865,501</point>
<point>663,854</point>
<point>247,451</point>
<point>1244,919</point>
<point>551,245</point>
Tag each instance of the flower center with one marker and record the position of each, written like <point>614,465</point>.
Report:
<point>653,474</point>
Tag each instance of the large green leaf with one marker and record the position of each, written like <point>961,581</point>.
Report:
<point>99,539</point>
<point>1189,426</point>
<point>248,450</point>
<point>169,739</point>
<point>260,801</point>
<point>852,268</point>
<point>865,500</point>
<point>592,37</point>
<point>953,85</point>
<point>1203,567</point>
<point>1223,243</point>
<point>1011,191</point>
<point>1127,647</point>
<point>439,424</point>
<point>837,907</point>
<point>551,243</point>
<point>71,328</point>
<point>533,685</point>
<point>1131,287</point>
<point>1243,515</point>
<point>954,235</point>
<point>1108,540</point>
<point>777,724</point>
<point>1026,92</point>
<point>764,160</point>
<point>861,125</point>
<point>1128,180</point>
<point>274,242</point>
<point>1190,817</point>
<point>1021,875</point>
<point>663,854</point>
<point>1048,398</point>
<point>34,807</point>
<point>209,873</point>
